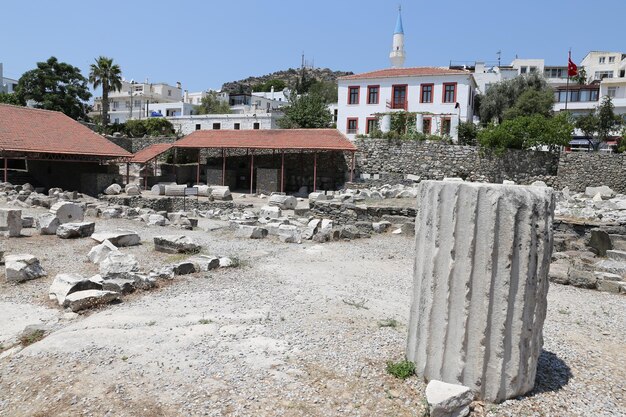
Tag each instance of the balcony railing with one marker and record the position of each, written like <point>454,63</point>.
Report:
<point>353,131</point>
<point>397,104</point>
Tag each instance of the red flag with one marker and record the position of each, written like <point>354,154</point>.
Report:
<point>572,69</point>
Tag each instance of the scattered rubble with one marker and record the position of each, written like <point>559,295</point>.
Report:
<point>75,230</point>
<point>176,244</point>
<point>119,238</point>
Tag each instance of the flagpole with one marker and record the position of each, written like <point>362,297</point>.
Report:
<point>569,58</point>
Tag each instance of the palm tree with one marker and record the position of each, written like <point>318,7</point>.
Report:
<point>108,75</point>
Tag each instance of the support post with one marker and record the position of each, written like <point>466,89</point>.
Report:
<point>315,171</point>
<point>352,168</point>
<point>251,171</point>
<point>198,169</point>
<point>145,176</point>
<point>282,172</point>
<point>127,172</point>
<point>223,166</point>
<point>6,170</point>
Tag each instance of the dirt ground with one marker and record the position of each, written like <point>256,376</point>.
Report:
<point>294,330</point>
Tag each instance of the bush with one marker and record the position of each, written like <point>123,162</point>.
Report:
<point>402,369</point>
<point>528,132</point>
<point>468,132</point>
<point>154,126</point>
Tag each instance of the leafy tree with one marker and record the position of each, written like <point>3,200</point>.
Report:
<point>153,126</point>
<point>55,85</point>
<point>11,98</point>
<point>468,132</point>
<point>581,77</point>
<point>108,75</point>
<point>307,111</point>
<point>607,120</point>
<point>528,132</point>
<point>503,95</point>
<point>327,90</point>
<point>531,102</point>
<point>278,85</point>
<point>211,104</point>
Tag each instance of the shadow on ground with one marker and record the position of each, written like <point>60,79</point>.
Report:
<point>552,374</point>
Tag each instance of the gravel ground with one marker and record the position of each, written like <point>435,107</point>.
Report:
<point>294,330</point>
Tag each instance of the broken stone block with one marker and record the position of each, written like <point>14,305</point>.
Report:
<point>284,202</point>
<point>609,265</point>
<point>251,232</point>
<point>82,300</point>
<point>559,272</point>
<point>381,227</point>
<point>600,242</point>
<point>158,189</point>
<point>28,222</point>
<point>176,244</point>
<point>47,224</point>
<point>113,189</point>
<point>289,234</point>
<point>349,232</point>
<point>68,212</point>
<point>448,400</point>
<point>10,222</point>
<point>75,230</point>
<point>205,263</point>
<point>65,284</point>
<point>23,267</point>
<point>120,285</point>
<point>132,189</point>
<point>616,255</point>
<point>614,287</point>
<point>118,265</point>
<point>270,212</point>
<point>119,238</point>
<point>480,285</point>
<point>226,262</point>
<point>156,220</point>
<point>582,279</point>
<point>99,252</point>
<point>605,192</point>
<point>221,192</point>
<point>184,268</point>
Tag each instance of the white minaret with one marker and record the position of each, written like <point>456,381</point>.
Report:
<point>397,50</point>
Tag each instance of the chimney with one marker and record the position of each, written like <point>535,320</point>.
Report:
<point>272,90</point>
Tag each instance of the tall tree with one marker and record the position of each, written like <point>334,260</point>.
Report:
<point>607,120</point>
<point>55,85</point>
<point>211,104</point>
<point>503,95</point>
<point>308,111</point>
<point>531,102</point>
<point>108,75</point>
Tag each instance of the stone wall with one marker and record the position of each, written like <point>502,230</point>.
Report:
<point>172,204</point>
<point>134,145</point>
<point>578,170</point>
<point>393,160</point>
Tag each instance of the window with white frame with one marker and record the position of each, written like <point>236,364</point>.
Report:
<point>602,60</point>
<point>599,75</point>
<point>611,59</point>
<point>611,91</point>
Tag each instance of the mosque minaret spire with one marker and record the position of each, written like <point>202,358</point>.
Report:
<point>397,55</point>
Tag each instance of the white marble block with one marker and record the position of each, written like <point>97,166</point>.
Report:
<point>480,285</point>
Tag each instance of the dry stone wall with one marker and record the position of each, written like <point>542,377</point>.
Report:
<point>588,169</point>
<point>393,160</point>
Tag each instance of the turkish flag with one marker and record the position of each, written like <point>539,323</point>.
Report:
<point>572,69</point>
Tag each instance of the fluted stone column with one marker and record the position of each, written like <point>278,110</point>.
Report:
<point>480,285</point>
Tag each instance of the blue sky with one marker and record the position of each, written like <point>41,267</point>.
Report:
<point>206,43</point>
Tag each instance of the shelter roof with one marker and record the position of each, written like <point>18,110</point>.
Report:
<point>28,130</point>
<point>151,152</point>
<point>302,139</point>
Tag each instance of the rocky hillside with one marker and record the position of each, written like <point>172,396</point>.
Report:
<point>290,77</point>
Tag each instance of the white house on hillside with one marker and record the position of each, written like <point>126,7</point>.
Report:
<point>7,85</point>
<point>441,97</point>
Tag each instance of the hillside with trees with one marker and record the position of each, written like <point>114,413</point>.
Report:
<point>291,78</point>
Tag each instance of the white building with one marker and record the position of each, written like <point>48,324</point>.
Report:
<point>188,124</point>
<point>555,75</point>
<point>133,100</point>
<point>600,65</point>
<point>7,85</point>
<point>441,97</point>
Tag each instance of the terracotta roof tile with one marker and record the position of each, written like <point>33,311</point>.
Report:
<point>405,72</point>
<point>28,130</point>
<point>304,139</point>
<point>151,152</point>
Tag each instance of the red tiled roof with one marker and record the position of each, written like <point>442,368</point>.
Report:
<point>405,72</point>
<point>27,130</point>
<point>151,152</point>
<point>311,139</point>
